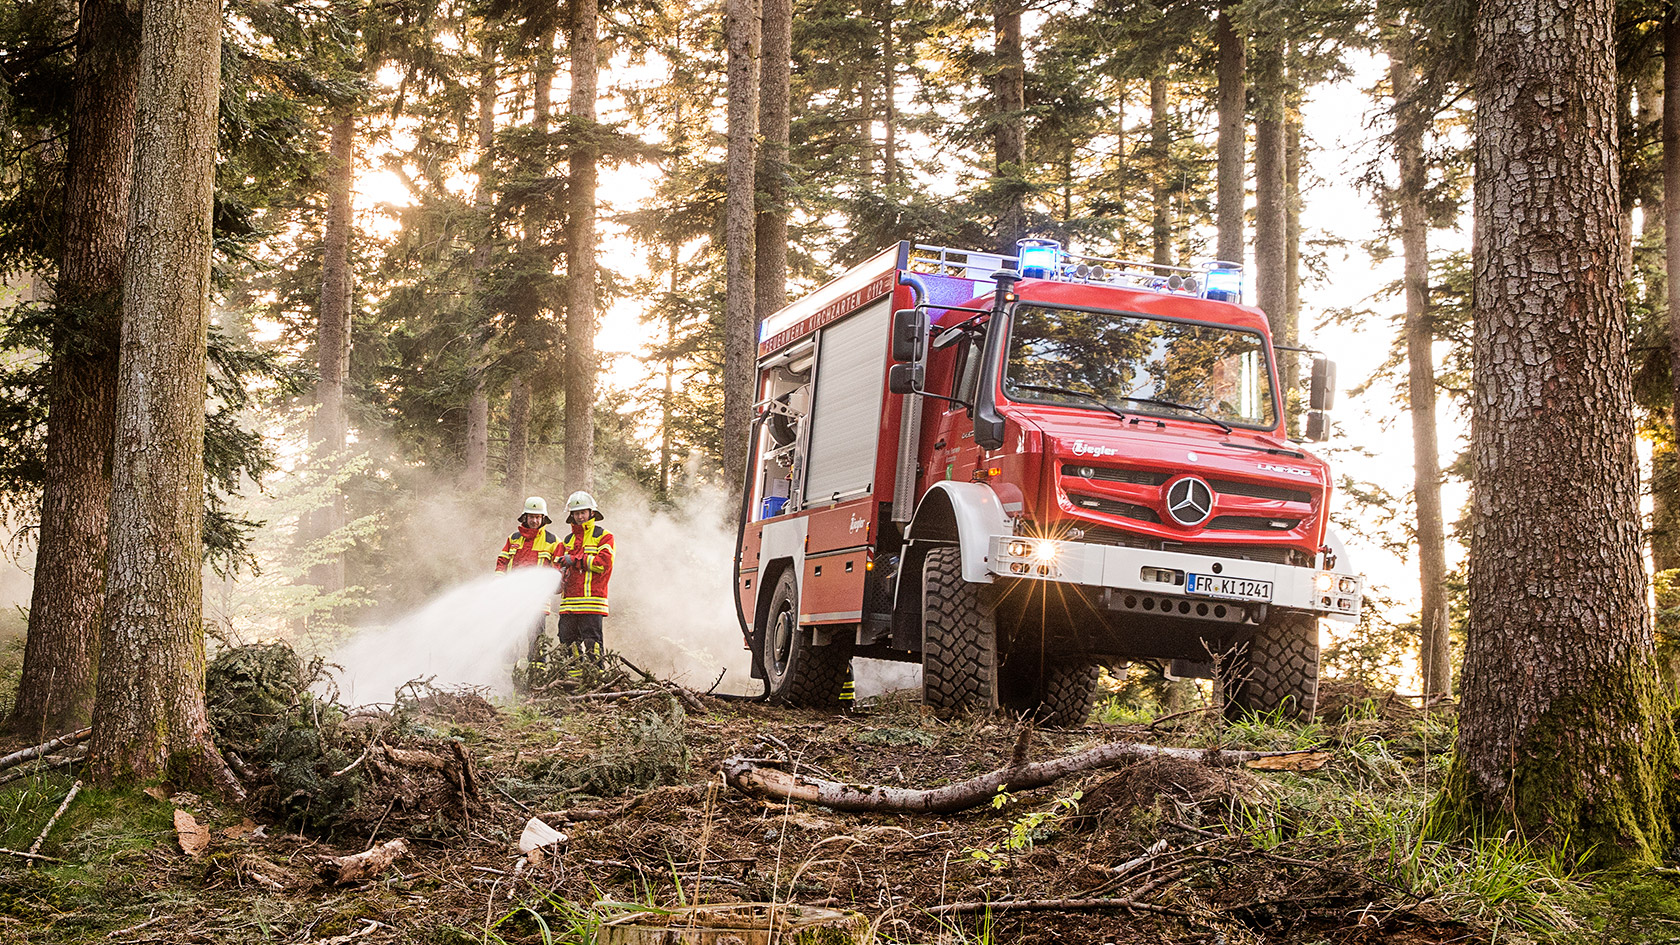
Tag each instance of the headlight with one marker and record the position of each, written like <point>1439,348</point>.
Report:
<point>1348,585</point>
<point>1044,551</point>
<point>1324,581</point>
<point>1019,549</point>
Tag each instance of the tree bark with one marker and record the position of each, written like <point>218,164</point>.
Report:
<point>330,428</point>
<point>1010,138</point>
<point>476,468</point>
<point>1564,729</point>
<point>61,652</point>
<point>1292,222</point>
<point>1671,221</point>
<point>149,719</point>
<point>580,254</point>
<point>740,330</point>
<point>1233,145</point>
<point>1434,656</point>
<point>1160,221</point>
<point>519,436</point>
<point>1270,217</point>
<point>770,253</point>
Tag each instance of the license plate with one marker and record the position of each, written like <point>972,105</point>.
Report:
<point>1213,585</point>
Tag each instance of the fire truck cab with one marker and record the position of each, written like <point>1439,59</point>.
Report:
<point>1017,469</point>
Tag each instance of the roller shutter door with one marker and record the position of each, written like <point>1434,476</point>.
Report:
<point>846,410</point>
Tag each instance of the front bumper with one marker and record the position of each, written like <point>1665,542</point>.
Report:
<point>1334,594</point>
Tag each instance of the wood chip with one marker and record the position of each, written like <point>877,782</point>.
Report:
<point>240,831</point>
<point>156,793</point>
<point>194,838</point>
<point>369,863</point>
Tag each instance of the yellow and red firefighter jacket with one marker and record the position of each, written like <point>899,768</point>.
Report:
<point>583,590</point>
<point>527,547</point>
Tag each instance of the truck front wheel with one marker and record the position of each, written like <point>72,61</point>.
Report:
<point>1276,670</point>
<point>796,671</point>
<point>959,638</point>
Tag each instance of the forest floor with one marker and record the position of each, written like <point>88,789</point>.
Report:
<point>1204,854</point>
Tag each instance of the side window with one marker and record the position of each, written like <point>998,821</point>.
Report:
<point>967,371</point>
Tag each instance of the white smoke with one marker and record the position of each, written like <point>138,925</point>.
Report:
<point>469,636</point>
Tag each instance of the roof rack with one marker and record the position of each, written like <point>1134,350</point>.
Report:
<point>1045,259</point>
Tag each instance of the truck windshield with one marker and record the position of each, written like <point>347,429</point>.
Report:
<point>1142,365</point>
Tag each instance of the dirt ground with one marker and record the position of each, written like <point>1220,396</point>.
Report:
<point>1159,851</point>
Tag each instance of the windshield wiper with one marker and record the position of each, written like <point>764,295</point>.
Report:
<point>1070,392</point>
<point>1175,405</point>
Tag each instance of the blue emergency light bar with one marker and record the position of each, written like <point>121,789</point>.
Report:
<point>1045,259</point>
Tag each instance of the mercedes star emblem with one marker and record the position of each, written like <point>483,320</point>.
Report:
<point>1189,501</point>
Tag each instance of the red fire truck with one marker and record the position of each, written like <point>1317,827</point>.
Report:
<point>1017,469</point>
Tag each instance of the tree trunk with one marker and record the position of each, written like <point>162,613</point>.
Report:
<point>1269,214</point>
<point>476,471</point>
<point>740,331</point>
<point>60,656</point>
<point>332,341</point>
<point>580,256</point>
<point>1671,220</point>
<point>149,719</point>
<point>1160,221</point>
<point>770,254</point>
<point>1292,221</point>
<point>889,94</point>
<point>1011,137</point>
<point>1564,731</point>
<point>1434,660</point>
<point>1233,145</point>
<point>519,436</point>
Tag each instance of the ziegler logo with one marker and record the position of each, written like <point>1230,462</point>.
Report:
<point>1082,448</point>
<point>1286,470</point>
<point>858,523</point>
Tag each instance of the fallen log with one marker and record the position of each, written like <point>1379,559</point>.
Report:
<point>1055,905</point>
<point>745,775</point>
<point>19,757</point>
<point>42,766</point>
<point>342,870</point>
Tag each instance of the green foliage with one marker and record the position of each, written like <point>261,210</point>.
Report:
<point>624,751</point>
<point>1025,831</point>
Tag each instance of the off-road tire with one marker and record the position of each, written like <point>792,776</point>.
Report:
<point>959,638</point>
<point>1276,670</point>
<point>796,671</point>
<point>1069,690</point>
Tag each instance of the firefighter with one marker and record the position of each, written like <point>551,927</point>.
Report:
<point>532,544</point>
<point>585,557</point>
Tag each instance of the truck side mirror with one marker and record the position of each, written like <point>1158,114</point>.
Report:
<point>909,334</point>
<point>1318,426</point>
<point>1321,394</point>
<point>905,379</point>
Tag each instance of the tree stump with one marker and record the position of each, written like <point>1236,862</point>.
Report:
<point>735,923</point>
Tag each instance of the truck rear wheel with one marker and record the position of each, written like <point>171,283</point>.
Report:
<point>959,638</point>
<point>1276,670</point>
<point>796,671</point>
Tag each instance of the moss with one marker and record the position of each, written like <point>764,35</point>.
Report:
<point>1595,776</point>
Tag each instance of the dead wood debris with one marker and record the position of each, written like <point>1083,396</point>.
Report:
<point>344,870</point>
<point>63,741</point>
<point>75,789</point>
<point>748,776</point>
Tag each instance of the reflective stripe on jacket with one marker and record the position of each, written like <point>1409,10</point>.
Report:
<point>526,547</point>
<point>584,590</point>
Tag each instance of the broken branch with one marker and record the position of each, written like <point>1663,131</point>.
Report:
<point>75,789</point>
<point>1044,904</point>
<point>358,866</point>
<point>744,775</point>
<point>19,757</point>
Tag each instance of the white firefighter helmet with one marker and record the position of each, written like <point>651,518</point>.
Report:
<point>535,506</point>
<point>580,501</point>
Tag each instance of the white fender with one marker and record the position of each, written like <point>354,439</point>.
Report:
<point>979,514</point>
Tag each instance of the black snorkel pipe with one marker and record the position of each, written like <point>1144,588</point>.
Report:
<point>988,423</point>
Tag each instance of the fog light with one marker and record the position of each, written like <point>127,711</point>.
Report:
<point>1348,585</point>
<point>1019,549</point>
<point>1324,581</point>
